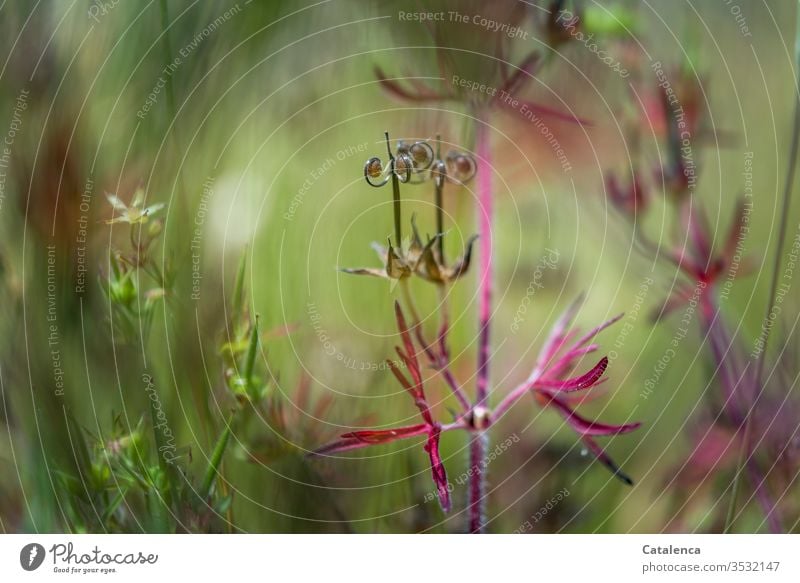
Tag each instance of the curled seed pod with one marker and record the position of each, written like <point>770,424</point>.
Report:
<point>439,173</point>
<point>403,166</point>
<point>373,172</point>
<point>422,155</point>
<point>461,167</point>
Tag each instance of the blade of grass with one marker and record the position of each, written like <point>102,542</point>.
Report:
<point>216,458</point>
<point>113,505</point>
<point>237,303</point>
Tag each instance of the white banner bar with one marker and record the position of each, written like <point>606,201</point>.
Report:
<point>401,558</point>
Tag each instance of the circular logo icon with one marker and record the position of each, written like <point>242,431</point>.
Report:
<point>31,556</point>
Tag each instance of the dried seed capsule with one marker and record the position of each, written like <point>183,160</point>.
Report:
<point>373,170</point>
<point>422,155</point>
<point>461,167</point>
<point>403,165</point>
<point>439,173</point>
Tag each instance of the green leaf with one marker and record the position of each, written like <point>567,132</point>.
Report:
<point>216,459</point>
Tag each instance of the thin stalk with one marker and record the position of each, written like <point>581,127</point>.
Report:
<point>477,483</point>
<point>442,363</point>
<point>485,213</point>
<point>444,352</point>
<point>744,447</point>
<point>398,230</point>
<point>504,405</point>
<point>477,450</point>
<point>444,324</point>
<point>409,300</point>
<point>438,184</point>
<point>416,322</point>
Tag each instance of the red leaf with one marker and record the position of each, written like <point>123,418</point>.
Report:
<point>606,460</point>
<point>582,425</point>
<point>577,383</point>
<point>368,437</point>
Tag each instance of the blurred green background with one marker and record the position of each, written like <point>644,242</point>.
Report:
<point>255,141</point>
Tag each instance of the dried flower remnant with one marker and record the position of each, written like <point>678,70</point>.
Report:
<point>458,168</point>
<point>415,163</point>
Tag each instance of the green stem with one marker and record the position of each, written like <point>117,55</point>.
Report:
<point>439,220</point>
<point>398,231</point>
<point>438,183</point>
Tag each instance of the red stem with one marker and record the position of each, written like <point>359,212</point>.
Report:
<point>440,362</point>
<point>485,212</point>
<point>477,483</point>
<point>477,450</point>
